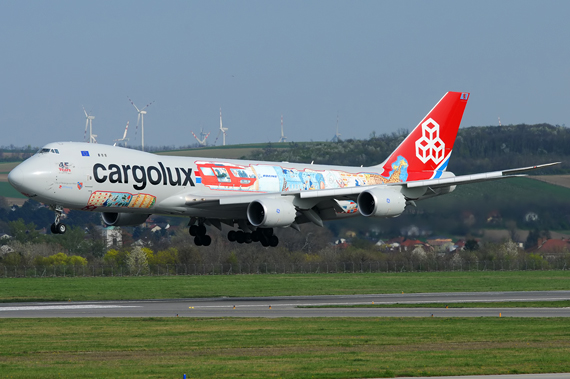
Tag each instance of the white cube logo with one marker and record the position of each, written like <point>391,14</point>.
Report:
<point>430,146</point>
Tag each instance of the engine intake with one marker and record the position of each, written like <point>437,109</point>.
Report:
<point>381,202</point>
<point>123,219</point>
<point>271,213</point>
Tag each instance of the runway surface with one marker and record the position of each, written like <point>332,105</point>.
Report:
<point>294,306</point>
<point>512,376</point>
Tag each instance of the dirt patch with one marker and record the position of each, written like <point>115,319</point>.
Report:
<point>15,201</point>
<point>558,180</point>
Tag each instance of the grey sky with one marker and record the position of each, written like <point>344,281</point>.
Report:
<point>379,65</point>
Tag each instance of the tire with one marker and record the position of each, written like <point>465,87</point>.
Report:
<point>232,235</point>
<point>240,237</point>
<point>201,230</point>
<point>198,240</point>
<point>193,230</point>
<point>206,240</point>
<point>273,241</point>
<point>247,238</point>
<point>53,229</point>
<point>61,228</point>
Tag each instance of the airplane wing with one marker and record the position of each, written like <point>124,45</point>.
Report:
<point>350,193</point>
<point>475,178</point>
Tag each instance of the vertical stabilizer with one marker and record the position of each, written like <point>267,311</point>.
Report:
<point>425,152</point>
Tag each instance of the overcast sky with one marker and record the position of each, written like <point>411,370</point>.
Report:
<point>379,65</point>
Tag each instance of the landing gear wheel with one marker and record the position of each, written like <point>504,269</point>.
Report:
<point>232,235</point>
<point>201,230</point>
<point>255,236</point>
<point>273,241</point>
<point>53,229</point>
<point>198,240</point>
<point>247,238</point>
<point>193,230</point>
<point>240,237</point>
<point>206,240</point>
<point>61,228</point>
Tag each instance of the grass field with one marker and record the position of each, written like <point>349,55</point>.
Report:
<point>281,348</point>
<point>171,287</point>
<point>510,304</point>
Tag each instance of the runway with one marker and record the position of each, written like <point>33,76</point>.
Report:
<point>296,306</point>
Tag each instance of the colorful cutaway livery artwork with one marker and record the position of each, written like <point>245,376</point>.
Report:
<point>120,200</point>
<point>267,178</point>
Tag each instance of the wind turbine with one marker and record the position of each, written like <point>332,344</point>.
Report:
<point>89,122</point>
<point>124,139</point>
<point>140,117</point>
<point>336,137</point>
<point>222,130</point>
<point>203,137</point>
<point>283,138</point>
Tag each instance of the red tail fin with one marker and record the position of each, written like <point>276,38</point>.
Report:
<point>425,152</point>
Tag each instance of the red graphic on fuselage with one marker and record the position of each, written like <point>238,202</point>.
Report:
<point>224,175</point>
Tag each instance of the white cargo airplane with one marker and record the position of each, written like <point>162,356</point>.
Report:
<point>128,185</point>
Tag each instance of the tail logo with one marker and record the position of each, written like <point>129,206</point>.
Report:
<point>430,146</point>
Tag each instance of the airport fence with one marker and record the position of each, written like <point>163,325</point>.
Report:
<point>386,266</point>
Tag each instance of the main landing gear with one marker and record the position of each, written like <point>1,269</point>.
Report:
<point>264,236</point>
<point>200,236</point>
<point>58,227</point>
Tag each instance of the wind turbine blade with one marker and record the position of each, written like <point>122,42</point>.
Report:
<point>86,115</point>
<point>85,133</point>
<point>126,129</point>
<point>133,104</point>
<point>148,105</point>
<point>218,136</point>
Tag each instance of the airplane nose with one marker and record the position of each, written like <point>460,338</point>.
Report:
<point>16,177</point>
<point>28,179</point>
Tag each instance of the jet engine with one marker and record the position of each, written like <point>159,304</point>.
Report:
<point>123,219</point>
<point>268,213</point>
<point>381,202</point>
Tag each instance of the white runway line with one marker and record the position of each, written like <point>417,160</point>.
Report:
<point>59,307</point>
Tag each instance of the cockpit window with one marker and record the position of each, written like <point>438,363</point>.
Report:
<point>46,150</point>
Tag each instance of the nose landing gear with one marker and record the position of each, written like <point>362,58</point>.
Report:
<point>58,227</point>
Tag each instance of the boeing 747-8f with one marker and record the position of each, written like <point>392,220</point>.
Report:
<point>127,186</point>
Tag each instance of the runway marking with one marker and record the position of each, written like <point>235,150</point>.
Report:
<point>59,307</point>
<point>376,303</point>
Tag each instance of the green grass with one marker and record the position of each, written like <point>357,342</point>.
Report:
<point>170,287</point>
<point>509,304</point>
<point>281,348</point>
<point>7,190</point>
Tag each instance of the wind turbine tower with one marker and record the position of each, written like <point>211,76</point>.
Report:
<point>124,139</point>
<point>140,118</point>
<point>222,130</point>
<point>283,138</point>
<point>336,137</point>
<point>89,122</point>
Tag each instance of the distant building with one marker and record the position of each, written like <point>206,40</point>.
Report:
<point>112,236</point>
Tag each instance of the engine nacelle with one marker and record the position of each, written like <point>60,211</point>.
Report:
<point>381,202</point>
<point>271,213</point>
<point>123,219</point>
